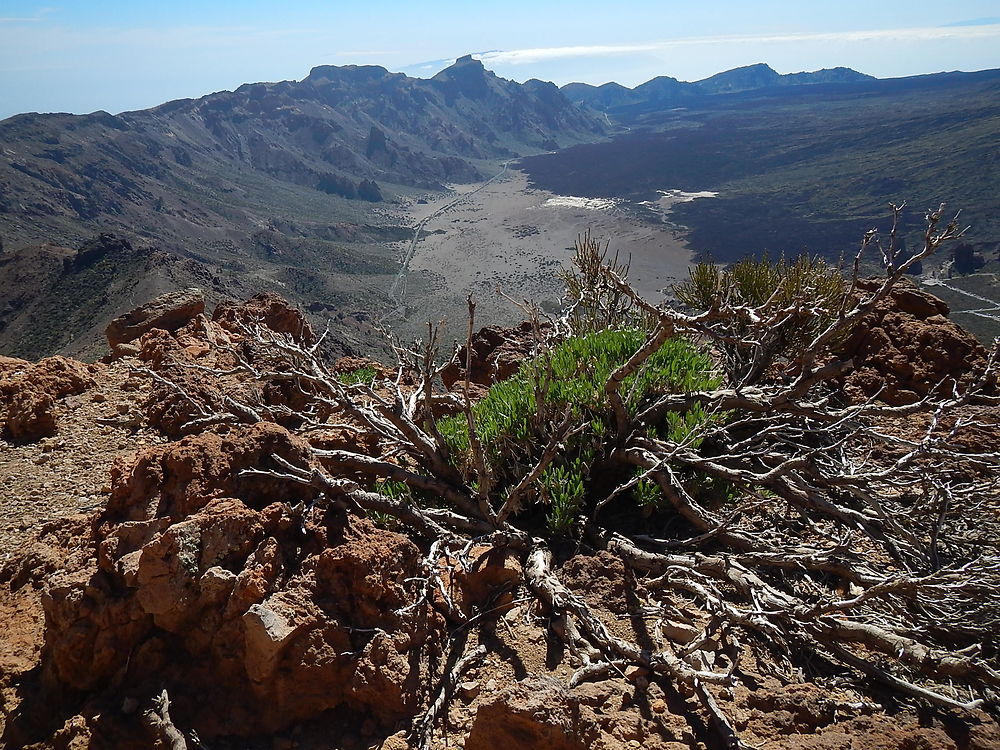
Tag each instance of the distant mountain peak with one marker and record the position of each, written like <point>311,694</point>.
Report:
<point>466,65</point>
<point>469,60</point>
<point>466,76</point>
<point>665,90</point>
<point>747,77</point>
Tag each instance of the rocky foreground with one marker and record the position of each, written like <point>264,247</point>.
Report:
<point>151,596</point>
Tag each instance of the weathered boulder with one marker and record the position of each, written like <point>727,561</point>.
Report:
<point>29,393</point>
<point>534,714</point>
<point>486,576</point>
<point>497,353</point>
<point>187,391</point>
<point>178,479</point>
<point>167,312</point>
<point>267,309</point>
<point>256,602</point>
<point>539,713</point>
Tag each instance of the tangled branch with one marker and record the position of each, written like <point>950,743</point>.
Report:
<point>823,531</point>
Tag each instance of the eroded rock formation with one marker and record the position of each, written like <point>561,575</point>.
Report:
<point>908,346</point>
<point>29,393</point>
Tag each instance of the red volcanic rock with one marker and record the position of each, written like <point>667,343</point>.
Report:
<point>268,309</point>
<point>497,353</point>
<point>188,390</point>
<point>167,312</point>
<point>257,602</point>
<point>11,366</point>
<point>29,393</point>
<point>907,346</point>
<point>534,714</point>
<point>474,582</point>
<point>178,479</point>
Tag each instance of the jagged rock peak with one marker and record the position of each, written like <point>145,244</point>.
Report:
<point>464,68</point>
<point>467,76</point>
<point>468,61</point>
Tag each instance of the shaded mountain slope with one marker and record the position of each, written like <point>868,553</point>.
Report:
<point>58,299</point>
<point>800,167</point>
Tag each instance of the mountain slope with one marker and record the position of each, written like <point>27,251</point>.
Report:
<point>803,167</point>
<point>270,186</point>
<point>187,168</point>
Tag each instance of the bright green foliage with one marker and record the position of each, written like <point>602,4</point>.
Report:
<point>394,490</point>
<point>563,488</point>
<point>513,420</point>
<point>647,495</point>
<point>815,291</point>
<point>364,374</point>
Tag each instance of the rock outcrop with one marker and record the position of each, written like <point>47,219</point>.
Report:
<point>255,603</point>
<point>167,312</point>
<point>497,353</point>
<point>29,393</point>
<point>907,346</point>
<point>187,393</point>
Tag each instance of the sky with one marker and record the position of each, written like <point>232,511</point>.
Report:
<point>86,55</point>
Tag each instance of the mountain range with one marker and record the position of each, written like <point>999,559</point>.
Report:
<point>343,131</point>
<point>296,186</point>
<point>664,90</point>
<point>270,186</point>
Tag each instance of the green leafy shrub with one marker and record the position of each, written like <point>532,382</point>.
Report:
<point>804,296</point>
<point>515,420</point>
<point>364,374</point>
<point>592,301</point>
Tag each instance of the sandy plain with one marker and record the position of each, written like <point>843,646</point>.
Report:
<point>510,236</point>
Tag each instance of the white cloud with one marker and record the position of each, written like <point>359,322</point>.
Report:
<point>541,54</point>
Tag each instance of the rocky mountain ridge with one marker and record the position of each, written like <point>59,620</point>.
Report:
<point>271,186</point>
<point>342,131</point>
<point>666,90</point>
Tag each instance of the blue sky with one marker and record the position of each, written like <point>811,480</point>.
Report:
<point>86,55</point>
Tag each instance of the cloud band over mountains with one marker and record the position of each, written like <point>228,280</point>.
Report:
<point>931,33</point>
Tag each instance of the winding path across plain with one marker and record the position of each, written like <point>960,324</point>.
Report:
<point>397,290</point>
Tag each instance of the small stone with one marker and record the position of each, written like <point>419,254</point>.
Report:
<point>491,685</point>
<point>513,614</point>
<point>634,673</point>
<point>469,690</point>
<point>658,706</point>
<point>98,398</point>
